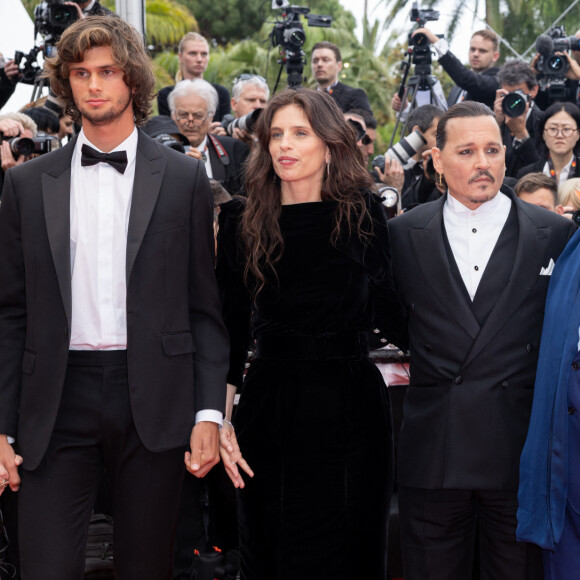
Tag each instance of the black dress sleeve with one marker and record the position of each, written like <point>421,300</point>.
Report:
<point>388,314</point>
<point>235,297</point>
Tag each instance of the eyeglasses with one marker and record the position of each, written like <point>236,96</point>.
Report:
<point>196,118</point>
<point>248,76</point>
<point>566,131</point>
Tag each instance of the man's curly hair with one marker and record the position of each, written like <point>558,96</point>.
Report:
<point>129,53</point>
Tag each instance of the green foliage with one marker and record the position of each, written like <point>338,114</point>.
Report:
<point>166,22</point>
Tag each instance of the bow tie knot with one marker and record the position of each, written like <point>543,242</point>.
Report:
<point>116,159</point>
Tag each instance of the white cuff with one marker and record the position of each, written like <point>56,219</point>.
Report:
<point>441,47</point>
<point>210,415</point>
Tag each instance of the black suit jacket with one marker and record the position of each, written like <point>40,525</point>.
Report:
<point>177,346</point>
<point>348,98</point>
<point>480,87</point>
<point>466,410</point>
<point>229,172</point>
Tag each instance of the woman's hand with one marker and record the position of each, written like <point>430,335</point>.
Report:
<point>232,456</point>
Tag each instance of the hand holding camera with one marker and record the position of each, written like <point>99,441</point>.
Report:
<point>512,108</point>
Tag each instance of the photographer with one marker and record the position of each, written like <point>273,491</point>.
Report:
<point>517,114</point>
<point>419,186</point>
<point>249,93</point>
<point>13,125</point>
<point>193,104</point>
<point>479,83</point>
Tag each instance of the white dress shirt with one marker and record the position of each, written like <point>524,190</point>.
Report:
<point>99,221</point>
<point>473,234</point>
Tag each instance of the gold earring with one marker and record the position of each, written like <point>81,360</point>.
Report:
<point>440,179</point>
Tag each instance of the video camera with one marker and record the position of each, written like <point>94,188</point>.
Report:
<point>290,36</point>
<point>551,66</point>
<point>51,19</point>
<point>419,44</point>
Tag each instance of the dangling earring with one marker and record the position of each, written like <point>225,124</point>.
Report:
<point>328,169</point>
<point>440,179</point>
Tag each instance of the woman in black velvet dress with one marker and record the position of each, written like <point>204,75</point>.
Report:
<point>302,266</point>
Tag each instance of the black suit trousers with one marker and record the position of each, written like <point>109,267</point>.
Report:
<point>440,529</point>
<point>94,429</point>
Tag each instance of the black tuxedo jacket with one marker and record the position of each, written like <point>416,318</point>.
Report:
<point>348,98</point>
<point>177,346</point>
<point>480,87</point>
<point>231,173</point>
<point>466,410</point>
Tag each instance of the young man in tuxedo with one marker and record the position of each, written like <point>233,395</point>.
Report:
<point>113,350</point>
<point>471,270</point>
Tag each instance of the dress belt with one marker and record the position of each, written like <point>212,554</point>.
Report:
<point>313,347</point>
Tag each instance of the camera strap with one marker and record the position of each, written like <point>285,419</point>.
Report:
<point>219,149</point>
<point>571,170</point>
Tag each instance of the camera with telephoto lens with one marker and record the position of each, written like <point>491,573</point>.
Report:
<point>514,104</point>
<point>419,43</point>
<point>245,123</point>
<point>169,141</point>
<point>402,151</point>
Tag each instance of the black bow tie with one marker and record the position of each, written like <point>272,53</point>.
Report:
<point>117,159</point>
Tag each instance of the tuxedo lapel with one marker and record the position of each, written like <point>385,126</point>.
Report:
<point>56,198</point>
<point>149,172</point>
<point>533,243</point>
<point>431,257</point>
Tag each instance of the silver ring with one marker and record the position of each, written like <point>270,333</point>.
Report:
<point>3,483</point>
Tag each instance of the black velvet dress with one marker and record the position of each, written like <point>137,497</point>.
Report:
<point>314,425</point>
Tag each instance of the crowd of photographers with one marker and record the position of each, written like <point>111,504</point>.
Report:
<point>202,120</point>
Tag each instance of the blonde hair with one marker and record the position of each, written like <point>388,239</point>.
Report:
<point>23,119</point>
<point>569,192</point>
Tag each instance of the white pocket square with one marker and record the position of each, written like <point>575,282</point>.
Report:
<point>547,271</point>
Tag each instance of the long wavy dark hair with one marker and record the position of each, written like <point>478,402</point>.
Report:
<point>128,52</point>
<point>344,183</point>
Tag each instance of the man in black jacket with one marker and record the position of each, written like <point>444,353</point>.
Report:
<point>193,55</point>
<point>519,134</point>
<point>326,62</point>
<point>478,83</point>
<point>193,104</point>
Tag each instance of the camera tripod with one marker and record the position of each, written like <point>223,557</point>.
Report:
<point>421,83</point>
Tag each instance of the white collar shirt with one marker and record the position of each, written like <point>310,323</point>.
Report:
<point>473,234</point>
<point>99,221</point>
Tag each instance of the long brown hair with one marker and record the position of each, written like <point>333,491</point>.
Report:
<point>345,182</point>
<point>128,53</point>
